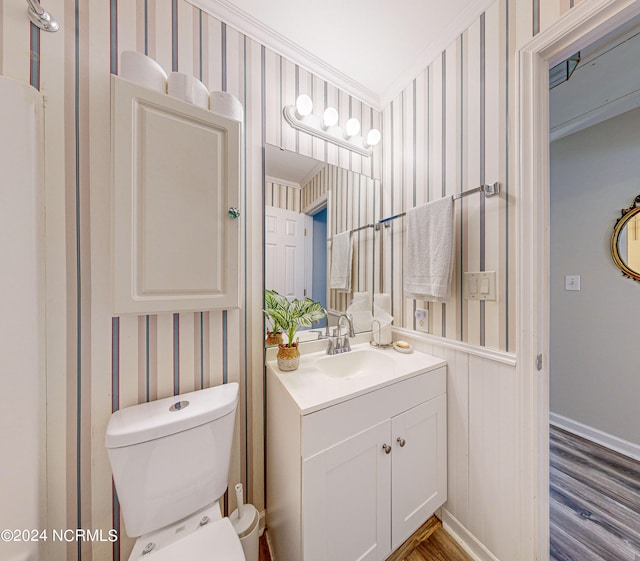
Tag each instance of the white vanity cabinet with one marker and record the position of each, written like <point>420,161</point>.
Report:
<point>354,480</point>
<point>176,234</point>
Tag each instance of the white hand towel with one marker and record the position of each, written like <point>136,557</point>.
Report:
<point>341,262</point>
<point>429,255</point>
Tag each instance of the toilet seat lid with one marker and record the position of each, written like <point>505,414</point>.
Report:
<point>217,541</point>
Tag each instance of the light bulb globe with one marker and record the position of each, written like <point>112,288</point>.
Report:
<point>373,137</point>
<point>304,105</point>
<point>352,127</point>
<point>330,117</point>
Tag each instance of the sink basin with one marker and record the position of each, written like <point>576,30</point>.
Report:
<point>354,364</point>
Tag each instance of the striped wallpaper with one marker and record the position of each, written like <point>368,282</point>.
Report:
<point>353,200</point>
<point>281,195</point>
<point>447,131</point>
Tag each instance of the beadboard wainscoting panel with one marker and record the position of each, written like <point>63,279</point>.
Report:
<point>482,444</point>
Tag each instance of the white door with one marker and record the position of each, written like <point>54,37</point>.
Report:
<point>419,479</point>
<point>285,252</point>
<point>346,500</point>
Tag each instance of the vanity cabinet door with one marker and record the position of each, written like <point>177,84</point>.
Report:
<point>176,182</point>
<point>419,471</point>
<point>346,499</point>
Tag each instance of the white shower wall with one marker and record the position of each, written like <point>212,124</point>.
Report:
<point>21,319</point>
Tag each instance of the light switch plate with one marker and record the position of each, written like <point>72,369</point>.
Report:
<point>572,282</point>
<point>422,320</point>
<point>480,285</point>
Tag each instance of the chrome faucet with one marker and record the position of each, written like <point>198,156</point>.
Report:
<point>326,325</point>
<point>339,344</point>
<point>326,328</point>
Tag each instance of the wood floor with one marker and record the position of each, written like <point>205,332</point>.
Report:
<point>594,501</point>
<point>429,543</point>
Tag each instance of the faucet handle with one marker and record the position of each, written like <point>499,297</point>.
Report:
<point>330,349</point>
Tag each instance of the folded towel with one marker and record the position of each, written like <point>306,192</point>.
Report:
<point>429,255</point>
<point>341,260</point>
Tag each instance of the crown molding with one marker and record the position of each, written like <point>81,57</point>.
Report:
<point>447,36</point>
<point>254,28</point>
<point>285,182</point>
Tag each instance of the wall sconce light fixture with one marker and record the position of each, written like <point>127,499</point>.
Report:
<point>301,117</point>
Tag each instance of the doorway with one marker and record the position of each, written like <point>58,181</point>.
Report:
<point>594,132</point>
<point>319,258</point>
<point>580,27</point>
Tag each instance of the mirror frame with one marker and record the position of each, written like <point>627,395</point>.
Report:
<point>627,215</point>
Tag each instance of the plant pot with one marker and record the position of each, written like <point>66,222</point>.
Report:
<point>274,338</point>
<point>288,357</point>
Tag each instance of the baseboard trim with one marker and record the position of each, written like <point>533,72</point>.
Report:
<point>614,443</point>
<point>465,539</point>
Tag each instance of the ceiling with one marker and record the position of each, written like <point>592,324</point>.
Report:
<point>289,167</point>
<point>370,48</point>
<point>605,83</point>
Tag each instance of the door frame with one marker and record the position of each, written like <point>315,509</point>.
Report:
<point>580,26</point>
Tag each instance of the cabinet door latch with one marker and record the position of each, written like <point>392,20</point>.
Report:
<point>539,362</point>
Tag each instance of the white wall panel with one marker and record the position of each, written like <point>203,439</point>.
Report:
<point>165,355</point>
<point>471,165</point>
<point>305,141</point>
<point>493,147</point>
<point>214,32</point>
<point>453,139</point>
<point>482,443</point>
<point>436,171</point>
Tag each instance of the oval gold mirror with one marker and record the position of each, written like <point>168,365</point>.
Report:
<point>625,241</point>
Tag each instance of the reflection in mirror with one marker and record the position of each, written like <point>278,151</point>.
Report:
<point>625,241</point>
<point>307,203</point>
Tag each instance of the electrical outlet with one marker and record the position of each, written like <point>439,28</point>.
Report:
<point>422,320</point>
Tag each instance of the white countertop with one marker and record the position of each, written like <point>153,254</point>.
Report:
<point>311,389</point>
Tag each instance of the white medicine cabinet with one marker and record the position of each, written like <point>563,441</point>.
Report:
<point>176,202</point>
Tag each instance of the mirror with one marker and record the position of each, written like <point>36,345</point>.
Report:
<point>307,202</point>
<point>625,241</point>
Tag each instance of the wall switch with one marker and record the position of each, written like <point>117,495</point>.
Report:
<point>480,286</point>
<point>572,282</point>
<point>422,320</point>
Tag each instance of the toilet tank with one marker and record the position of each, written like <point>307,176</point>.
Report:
<point>170,457</point>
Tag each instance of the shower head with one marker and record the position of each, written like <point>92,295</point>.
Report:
<point>40,17</point>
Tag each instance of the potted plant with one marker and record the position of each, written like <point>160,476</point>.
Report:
<point>273,301</point>
<point>290,316</point>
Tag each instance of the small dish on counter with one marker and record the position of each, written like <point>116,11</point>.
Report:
<point>402,347</point>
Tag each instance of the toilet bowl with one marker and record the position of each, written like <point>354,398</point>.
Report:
<point>170,461</point>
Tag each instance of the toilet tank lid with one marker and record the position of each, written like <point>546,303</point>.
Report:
<point>155,419</point>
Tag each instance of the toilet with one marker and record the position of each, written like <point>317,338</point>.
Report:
<point>170,463</point>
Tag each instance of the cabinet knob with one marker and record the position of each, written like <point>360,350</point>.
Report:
<point>386,448</point>
<point>401,441</point>
<point>233,212</point>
